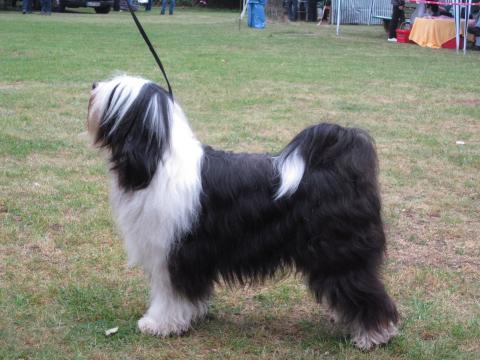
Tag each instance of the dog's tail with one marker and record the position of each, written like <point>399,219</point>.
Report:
<point>349,153</point>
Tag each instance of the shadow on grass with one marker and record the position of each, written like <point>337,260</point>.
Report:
<point>258,329</point>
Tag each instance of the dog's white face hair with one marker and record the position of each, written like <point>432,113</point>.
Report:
<point>191,215</point>
<point>127,89</point>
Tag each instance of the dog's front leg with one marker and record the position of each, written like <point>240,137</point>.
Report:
<point>169,313</point>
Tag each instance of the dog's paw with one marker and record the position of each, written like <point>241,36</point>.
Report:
<point>148,325</point>
<point>366,340</point>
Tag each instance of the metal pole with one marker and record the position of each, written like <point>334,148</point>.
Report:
<point>457,27</point>
<point>240,17</point>
<point>338,16</point>
<point>242,14</point>
<point>465,26</point>
<point>370,12</point>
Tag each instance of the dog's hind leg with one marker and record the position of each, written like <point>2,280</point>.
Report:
<point>359,301</point>
<point>169,313</point>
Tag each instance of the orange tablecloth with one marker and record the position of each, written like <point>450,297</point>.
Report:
<point>432,32</point>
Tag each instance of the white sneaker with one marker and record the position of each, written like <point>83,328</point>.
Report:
<point>392,39</point>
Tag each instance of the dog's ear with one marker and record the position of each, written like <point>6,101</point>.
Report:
<point>137,132</point>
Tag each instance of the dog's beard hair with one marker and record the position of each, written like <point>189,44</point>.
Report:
<point>191,215</point>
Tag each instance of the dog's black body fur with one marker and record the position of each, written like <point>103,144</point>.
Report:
<point>330,229</point>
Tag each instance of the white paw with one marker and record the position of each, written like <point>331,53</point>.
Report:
<point>365,340</point>
<point>148,325</point>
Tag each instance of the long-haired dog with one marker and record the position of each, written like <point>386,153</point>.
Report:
<point>191,215</point>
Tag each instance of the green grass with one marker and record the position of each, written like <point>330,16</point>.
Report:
<point>63,274</point>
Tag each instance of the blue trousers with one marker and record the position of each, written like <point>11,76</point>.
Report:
<point>170,8</point>
<point>46,6</point>
<point>26,6</point>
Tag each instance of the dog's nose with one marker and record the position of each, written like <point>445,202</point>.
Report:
<point>94,85</point>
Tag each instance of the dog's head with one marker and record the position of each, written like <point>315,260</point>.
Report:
<point>131,118</point>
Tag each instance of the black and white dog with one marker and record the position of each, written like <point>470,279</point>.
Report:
<point>191,215</point>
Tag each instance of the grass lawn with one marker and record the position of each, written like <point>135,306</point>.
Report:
<point>63,274</point>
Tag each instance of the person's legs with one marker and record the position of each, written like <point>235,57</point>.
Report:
<point>26,6</point>
<point>48,7</point>
<point>396,14</point>
<point>294,10</point>
<point>172,6</point>
<point>148,6</point>
<point>164,5</point>
<point>289,9</point>
<point>401,16</point>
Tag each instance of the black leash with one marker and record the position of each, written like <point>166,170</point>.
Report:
<point>152,50</point>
